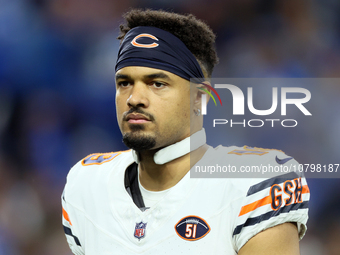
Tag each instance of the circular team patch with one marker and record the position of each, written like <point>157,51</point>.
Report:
<point>192,228</point>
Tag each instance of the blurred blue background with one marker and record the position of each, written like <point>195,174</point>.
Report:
<point>57,93</point>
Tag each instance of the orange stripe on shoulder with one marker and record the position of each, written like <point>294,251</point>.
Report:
<point>305,189</point>
<point>66,217</point>
<point>264,201</point>
<point>252,206</point>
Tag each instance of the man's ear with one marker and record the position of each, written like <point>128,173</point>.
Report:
<point>202,89</point>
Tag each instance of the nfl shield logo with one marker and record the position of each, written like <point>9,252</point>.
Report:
<point>140,230</point>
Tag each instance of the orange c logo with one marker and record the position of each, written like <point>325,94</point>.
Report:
<point>152,45</point>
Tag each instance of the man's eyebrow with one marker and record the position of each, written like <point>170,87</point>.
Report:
<point>122,76</point>
<point>158,75</point>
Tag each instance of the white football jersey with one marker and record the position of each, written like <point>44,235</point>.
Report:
<point>196,216</point>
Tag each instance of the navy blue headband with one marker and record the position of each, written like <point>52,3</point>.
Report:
<point>156,48</point>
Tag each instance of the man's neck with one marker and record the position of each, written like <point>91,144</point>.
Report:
<point>156,177</point>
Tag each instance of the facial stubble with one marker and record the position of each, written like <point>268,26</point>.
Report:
<point>136,140</point>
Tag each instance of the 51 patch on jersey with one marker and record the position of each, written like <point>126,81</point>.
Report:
<point>192,228</point>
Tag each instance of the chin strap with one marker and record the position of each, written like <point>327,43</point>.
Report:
<point>177,150</point>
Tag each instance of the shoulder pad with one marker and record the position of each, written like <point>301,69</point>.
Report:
<point>100,158</point>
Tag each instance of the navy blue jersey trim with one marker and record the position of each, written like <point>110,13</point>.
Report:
<point>132,186</point>
<point>68,231</point>
<point>270,182</point>
<point>268,215</point>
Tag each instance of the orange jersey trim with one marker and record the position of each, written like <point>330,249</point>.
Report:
<point>252,206</point>
<point>66,217</point>
<point>246,150</point>
<point>107,156</point>
<point>305,189</point>
<point>264,201</point>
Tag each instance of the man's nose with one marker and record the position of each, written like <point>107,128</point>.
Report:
<point>139,96</point>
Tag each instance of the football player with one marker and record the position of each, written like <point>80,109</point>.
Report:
<point>143,201</point>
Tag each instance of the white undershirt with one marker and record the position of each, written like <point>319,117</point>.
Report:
<point>150,198</point>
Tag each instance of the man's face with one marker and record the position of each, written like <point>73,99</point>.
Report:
<point>153,107</point>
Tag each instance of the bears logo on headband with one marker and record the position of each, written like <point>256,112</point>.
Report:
<point>168,53</point>
<point>152,45</point>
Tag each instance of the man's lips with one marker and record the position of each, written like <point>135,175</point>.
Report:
<point>136,118</point>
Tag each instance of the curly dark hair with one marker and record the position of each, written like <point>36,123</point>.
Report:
<point>194,33</point>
